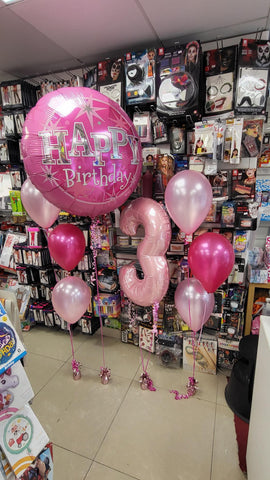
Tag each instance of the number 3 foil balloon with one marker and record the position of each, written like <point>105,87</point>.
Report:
<point>150,252</point>
<point>81,151</point>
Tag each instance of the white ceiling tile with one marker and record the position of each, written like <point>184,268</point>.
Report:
<point>171,19</point>
<point>84,27</point>
<point>43,36</point>
<point>26,49</point>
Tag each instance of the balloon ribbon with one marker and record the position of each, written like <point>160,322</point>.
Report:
<point>76,366</point>
<point>105,373</point>
<point>146,382</point>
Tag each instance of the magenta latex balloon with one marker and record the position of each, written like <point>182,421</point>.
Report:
<point>70,298</point>
<point>193,303</point>
<point>188,199</point>
<point>37,207</point>
<point>211,259</point>
<point>81,150</point>
<point>66,245</point>
<point>150,252</point>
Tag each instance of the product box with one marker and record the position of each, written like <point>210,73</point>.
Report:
<point>7,258</point>
<point>109,305</point>
<point>150,156</point>
<point>22,438</point>
<point>89,324</point>
<point>257,274</point>
<point>140,71</point>
<point>178,79</point>
<point>146,339</point>
<point>169,349</point>
<point>205,352</point>
<point>16,203</point>
<point>219,68</point>
<point>228,352</point>
<point>42,465</point>
<point>111,79</point>
<point>15,390</point>
<point>252,77</point>
<point>11,347</point>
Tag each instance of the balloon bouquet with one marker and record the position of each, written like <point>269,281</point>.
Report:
<point>188,199</point>
<point>82,155</point>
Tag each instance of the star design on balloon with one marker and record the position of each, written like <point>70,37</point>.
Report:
<point>49,175</point>
<point>118,121</point>
<point>51,123</point>
<point>91,111</point>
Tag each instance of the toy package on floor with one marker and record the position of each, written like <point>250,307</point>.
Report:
<point>253,76</point>
<point>219,68</point>
<point>146,339</point>
<point>140,70</point>
<point>178,79</point>
<point>111,79</point>
<point>15,390</point>
<point>228,353</point>
<point>42,467</point>
<point>5,468</point>
<point>205,354</point>
<point>169,349</point>
<point>11,347</point>
<point>22,438</point>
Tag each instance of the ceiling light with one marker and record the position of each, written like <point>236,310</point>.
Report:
<point>9,2</point>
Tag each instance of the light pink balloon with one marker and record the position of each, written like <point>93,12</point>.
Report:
<point>193,303</point>
<point>150,252</point>
<point>211,259</point>
<point>188,199</point>
<point>70,298</point>
<point>82,151</point>
<point>66,245</point>
<point>38,208</point>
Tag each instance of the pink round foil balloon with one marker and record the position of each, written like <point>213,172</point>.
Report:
<point>70,298</point>
<point>66,245</point>
<point>211,259</point>
<point>82,151</point>
<point>188,199</point>
<point>193,303</point>
<point>150,252</point>
<point>37,207</point>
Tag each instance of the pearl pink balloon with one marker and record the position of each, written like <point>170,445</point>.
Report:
<point>188,199</point>
<point>38,208</point>
<point>150,252</point>
<point>82,151</point>
<point>70,298</point>
<point>193,303</point>
<point>66,245</point>
<point>211,259</point>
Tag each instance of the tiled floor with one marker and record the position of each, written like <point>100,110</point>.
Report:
<point>118,431</point>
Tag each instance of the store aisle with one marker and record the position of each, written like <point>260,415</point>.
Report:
<point>118,431</point>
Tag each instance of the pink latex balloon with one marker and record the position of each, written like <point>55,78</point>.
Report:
<point>150,252</point>
<point>38,208</point>
<point>66,245</point>
<point>70,298</point>
<point>211,259</point>
<point>188,199</point>
<point>82,151</point>
<point>193,303</point>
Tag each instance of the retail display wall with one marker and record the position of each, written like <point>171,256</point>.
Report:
<point>192,110</point>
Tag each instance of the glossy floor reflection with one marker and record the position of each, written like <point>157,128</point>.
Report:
<point>118,431</point>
